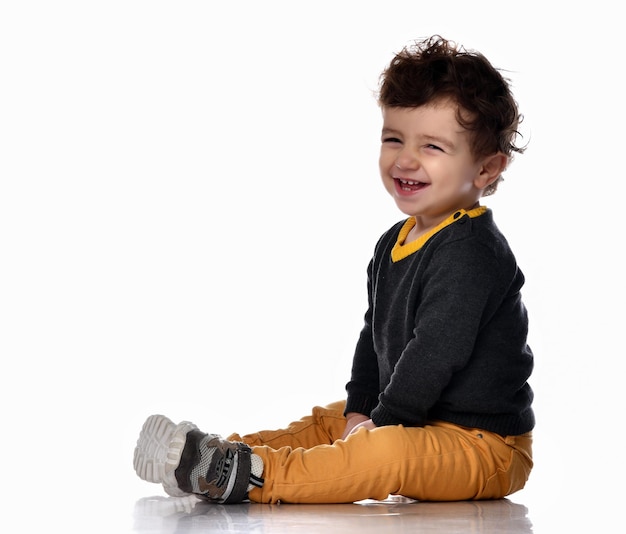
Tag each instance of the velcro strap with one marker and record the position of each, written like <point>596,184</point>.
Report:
<point>239,492</point>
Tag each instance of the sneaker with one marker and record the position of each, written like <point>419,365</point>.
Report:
<point>187,461</point>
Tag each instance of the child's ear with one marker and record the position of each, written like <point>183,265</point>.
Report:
<point>491,169</point>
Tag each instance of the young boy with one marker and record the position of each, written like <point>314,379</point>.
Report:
<point>438,406</point>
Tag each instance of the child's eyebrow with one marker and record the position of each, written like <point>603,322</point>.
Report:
<point>388,131</point>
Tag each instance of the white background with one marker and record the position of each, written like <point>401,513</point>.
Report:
<point>189,197</point>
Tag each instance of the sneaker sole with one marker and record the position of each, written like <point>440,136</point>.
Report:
<point>158,451</point>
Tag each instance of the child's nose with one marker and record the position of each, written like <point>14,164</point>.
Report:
<point>407,160</point>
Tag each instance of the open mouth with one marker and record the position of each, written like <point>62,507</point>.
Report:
<point>409,185</point>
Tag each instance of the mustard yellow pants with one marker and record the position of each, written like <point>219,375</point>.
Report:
<point>307,462</point>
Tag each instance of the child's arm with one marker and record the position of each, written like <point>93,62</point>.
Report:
<point>363,387</point>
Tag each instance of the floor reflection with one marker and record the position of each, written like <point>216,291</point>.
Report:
<point>396,514</point>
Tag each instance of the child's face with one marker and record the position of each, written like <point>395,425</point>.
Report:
<point>426,163</point>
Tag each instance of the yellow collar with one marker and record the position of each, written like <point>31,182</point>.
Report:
<point>402,250</point>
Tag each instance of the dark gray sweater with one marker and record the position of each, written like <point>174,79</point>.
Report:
<point>445,332</point>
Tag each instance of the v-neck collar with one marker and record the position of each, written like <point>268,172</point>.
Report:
<point>402,250</point>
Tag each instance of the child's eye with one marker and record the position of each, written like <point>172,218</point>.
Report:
<point>434,147</point>
<point>391,140</point>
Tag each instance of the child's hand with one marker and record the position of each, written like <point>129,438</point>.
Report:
<point>369,424</point>
<point>354,420</point>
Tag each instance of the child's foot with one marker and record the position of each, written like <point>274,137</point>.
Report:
<point>187,461</point>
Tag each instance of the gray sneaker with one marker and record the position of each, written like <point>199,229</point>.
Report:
<point>187,461</point>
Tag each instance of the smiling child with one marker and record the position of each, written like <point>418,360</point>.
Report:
<point>438,403</point>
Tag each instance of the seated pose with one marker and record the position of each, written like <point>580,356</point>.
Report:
<point>438,404</point>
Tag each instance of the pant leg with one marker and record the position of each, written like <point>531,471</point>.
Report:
<point>324,426</point>
<point>438,462</point>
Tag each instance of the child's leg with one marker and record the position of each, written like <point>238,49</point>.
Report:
<point>185,460</point>
<point>323,426</point>
<point>440,462</point>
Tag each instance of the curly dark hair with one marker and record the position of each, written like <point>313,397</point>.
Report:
<point>436,69</point>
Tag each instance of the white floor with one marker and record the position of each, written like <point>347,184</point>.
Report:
<point>144,509</point>
<point>164,515</point>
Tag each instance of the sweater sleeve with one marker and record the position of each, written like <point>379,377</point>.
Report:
<point>460,287</point>
<point>363,387</point>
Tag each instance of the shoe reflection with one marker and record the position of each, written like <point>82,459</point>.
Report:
<point>183,515</point>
